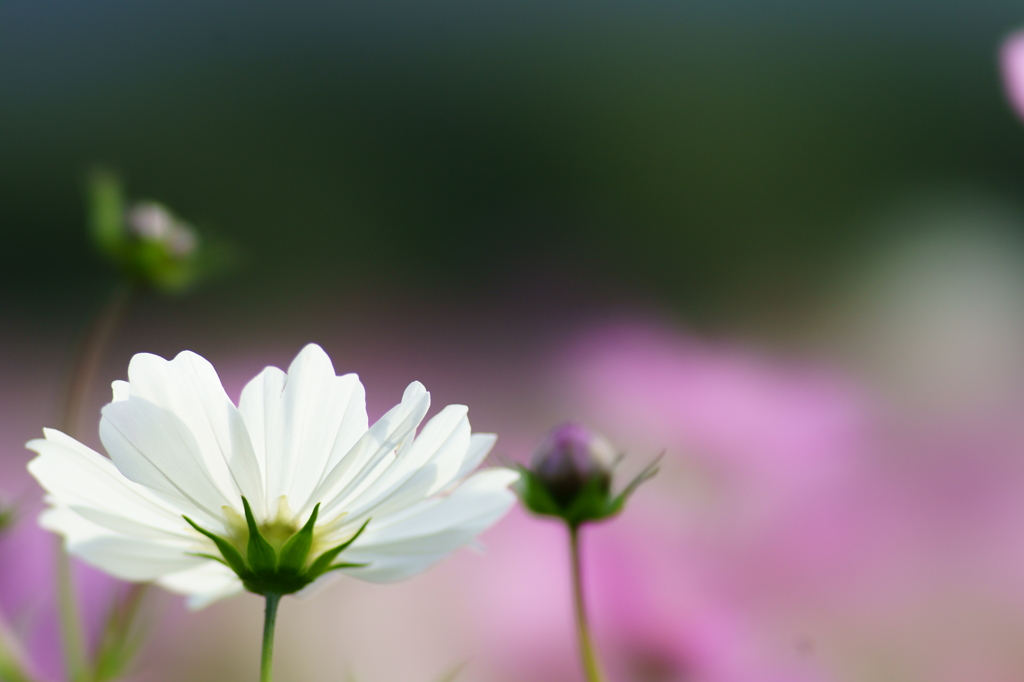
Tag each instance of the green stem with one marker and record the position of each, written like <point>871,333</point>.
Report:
<point>87,357</point>
<point>591,667</point>
<point>269,620</point>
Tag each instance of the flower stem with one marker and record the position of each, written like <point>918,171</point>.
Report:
<point>591,667</point>
<point>269,620</point>
<point>87,356</point>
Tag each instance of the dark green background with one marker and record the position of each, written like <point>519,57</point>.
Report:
<point>712,158</point>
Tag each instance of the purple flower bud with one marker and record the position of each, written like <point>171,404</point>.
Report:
<point>570,457</point>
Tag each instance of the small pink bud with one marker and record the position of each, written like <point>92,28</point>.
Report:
<point>571,456</point>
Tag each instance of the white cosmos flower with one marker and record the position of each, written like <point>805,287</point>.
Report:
<point>179,447</point>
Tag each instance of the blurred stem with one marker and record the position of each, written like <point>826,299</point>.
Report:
<point>70,621</point>
<point>269,620</point>
<point>86,359</point>
<point>12,658</point>
<point>120,637</point>
<point>89,352</point>
<point>591,667</point>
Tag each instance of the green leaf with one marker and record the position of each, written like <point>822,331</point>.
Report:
<point>296,550</point>
<point>323,562</point>
<point>232,557</point>
<point>262,557</point>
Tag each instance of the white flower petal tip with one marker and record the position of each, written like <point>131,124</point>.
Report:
<point>274,495</point>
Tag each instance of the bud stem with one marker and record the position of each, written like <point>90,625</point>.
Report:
<point>269,620</point>
<point>591,667</point>
<point>87,357</point>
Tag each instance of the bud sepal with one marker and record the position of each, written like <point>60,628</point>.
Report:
<point>570,478</point>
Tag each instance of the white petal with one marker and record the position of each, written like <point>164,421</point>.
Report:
<point>89,482</point>
<point>188,387</point>
<point>203,584</point>
<point>383,568</point>
<point>154,448</point>
<point>357,469</point>
<point>121,556</point>
<point>122,390</point>
<point>427,465</point>
<point>404,544</point>
<point>480,445</point>
<point>261,396</point>
<point>301,419</point>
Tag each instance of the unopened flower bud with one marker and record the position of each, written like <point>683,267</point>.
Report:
<point>152,222</point>
<point>147,242</point>
<point>570,458</point>
<point>570,477</point>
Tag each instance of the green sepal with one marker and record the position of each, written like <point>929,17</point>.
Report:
<point>534,494</point>
<point>261,554</point>
<point>593,502</point>
<point>649,471</point>
<point>232,557</point>
<point>296,550</point>
<point>264,570</point>
<point>208,556</point>
<point>323,562</point>
<point>335,567</point>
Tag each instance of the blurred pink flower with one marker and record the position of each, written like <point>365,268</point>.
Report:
<point>1011,62</point>
<point>771,433</point>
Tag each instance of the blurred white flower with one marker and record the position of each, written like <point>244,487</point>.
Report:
<point>297,447</point>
